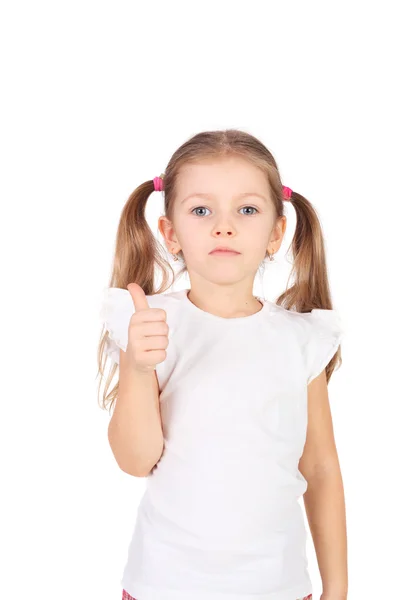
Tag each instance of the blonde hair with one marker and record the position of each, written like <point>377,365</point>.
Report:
<point>137,251</point>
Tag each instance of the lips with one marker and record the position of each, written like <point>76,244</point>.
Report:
<point>224,251</point>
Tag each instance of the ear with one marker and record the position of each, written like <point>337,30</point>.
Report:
<point>166,229</point>
<point>278,232</point>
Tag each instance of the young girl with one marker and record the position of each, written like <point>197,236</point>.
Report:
<point>222,398</point>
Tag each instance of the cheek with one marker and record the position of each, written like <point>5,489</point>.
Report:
<point>260,236</point>
<point>192,234</point>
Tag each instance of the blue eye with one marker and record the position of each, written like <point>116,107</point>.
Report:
<point>252,207</point>
<point>197,208</point>
<point>203,207</point>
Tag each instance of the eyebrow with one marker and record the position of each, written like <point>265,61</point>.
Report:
<point>243,195</point>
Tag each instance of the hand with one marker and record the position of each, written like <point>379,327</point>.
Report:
<point>147,334</point>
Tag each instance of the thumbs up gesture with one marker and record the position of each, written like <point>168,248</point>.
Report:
<point>148,332</point>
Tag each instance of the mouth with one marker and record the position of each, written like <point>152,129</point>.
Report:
<point>225,252</point>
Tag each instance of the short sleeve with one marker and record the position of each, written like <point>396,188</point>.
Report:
<point>325,332</point>
<point>116,311</point>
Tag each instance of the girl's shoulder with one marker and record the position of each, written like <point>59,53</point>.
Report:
<point>318,333</point>
<point>318,320</point>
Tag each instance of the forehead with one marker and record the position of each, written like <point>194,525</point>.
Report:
<point>220,177</point>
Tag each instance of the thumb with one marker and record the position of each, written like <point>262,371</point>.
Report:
<point>138,296</point>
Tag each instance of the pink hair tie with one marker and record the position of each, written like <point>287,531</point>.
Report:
<point>287,192</point>
<point>158,183</point>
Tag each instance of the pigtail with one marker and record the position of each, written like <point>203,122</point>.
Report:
<point>310,288</point>
<point>137,253</point>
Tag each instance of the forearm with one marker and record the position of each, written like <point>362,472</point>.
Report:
<point>135,431</point>
<point>325,507</point>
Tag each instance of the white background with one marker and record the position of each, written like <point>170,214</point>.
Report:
<point>96,97</point>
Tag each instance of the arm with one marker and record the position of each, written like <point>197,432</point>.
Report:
<point>324,498</point>
<point>135,431</point>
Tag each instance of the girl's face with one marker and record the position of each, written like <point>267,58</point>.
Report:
<point>216,204</point>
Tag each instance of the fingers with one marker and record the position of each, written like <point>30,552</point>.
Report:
<point>148,332</point>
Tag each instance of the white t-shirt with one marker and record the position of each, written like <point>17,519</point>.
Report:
<point>220,518</point>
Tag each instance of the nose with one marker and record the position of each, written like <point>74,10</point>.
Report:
<point>226,230</point>
<point>224,226</point>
